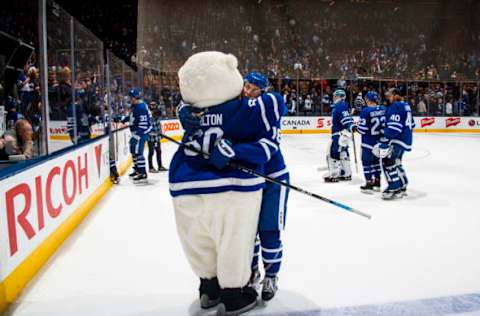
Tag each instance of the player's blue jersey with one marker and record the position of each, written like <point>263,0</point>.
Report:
<point>275,167</point>
<point>140,119</point>
<point>399,125</point>
<point>341,118</point>
<point>251,125</point>
<point>372,123</point>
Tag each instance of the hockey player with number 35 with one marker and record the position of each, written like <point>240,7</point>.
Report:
<point>217,207</point>
<point>397,139</point>
<point>338,159</point>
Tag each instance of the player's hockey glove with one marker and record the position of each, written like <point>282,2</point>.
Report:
<point>344,139</point>
<point>221,154</point>
<point>190,122</point>
<point>382,150</point>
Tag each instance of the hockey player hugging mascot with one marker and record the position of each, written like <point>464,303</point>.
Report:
<point>216,206</point>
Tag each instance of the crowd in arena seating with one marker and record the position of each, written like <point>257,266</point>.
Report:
<point>433,59</point>
<point>426,99</point>
<point>329,39</point>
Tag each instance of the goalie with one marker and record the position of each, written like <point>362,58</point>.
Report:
<point>338,159</point>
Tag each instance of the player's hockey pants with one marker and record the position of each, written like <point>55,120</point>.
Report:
<point>217,232</point>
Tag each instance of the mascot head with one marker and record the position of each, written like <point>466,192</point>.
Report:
<point>210,78</point>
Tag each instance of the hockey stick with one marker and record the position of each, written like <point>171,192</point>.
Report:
<point>245,169</point>
<point>354,151</point>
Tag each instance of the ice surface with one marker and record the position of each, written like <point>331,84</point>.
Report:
<point>417,256</point>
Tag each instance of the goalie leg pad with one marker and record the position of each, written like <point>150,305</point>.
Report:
<point>345,168</point>
<point>334,167</point>
<point>393,169</point>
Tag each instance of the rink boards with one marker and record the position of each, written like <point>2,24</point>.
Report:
<point>323,124</point>
<point>42,204</point>
<point>59,137</point>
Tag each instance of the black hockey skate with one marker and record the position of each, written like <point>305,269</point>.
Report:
<point>343,178</point>
<point>140,178</point>
<point>153,170</point>
<point>376,185</point>
<point>209,293</point>
<point>330,179</point>
<point>133,174</point>
<point>269,288</point>
<point>404,191</point>
<point>392,194</point>
<point>368,188</point>
<point>115,178</point>
<point>162,168</point>
<point>236,301</point>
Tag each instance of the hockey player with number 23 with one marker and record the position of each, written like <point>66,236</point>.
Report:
<point>217,207</point>
<point>372,121</point>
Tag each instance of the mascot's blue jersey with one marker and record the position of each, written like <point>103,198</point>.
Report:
<point>341,118</point>
<point>253,128</point>
<point>399,125</point>
<point>372,123</point>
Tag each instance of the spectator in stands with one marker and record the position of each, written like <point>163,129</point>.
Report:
<point>12,115</point>
<point>308,103</point>
<point>449,108</point>
<point>17,141</point>
<point>26,85</point>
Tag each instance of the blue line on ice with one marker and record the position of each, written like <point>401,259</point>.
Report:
<point>425,307</point>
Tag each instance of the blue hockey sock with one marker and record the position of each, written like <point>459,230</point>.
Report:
<point>134,157</point>
<point>376,171</point>
<point>272,252</point>
<point>367,172</point>
<point>256,254</point>
<point>141,164</point>
<point>393,177</point>
<point>402,175</point>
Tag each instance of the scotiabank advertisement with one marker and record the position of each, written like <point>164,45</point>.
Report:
<point>34,202</point>
<point>306,124</point>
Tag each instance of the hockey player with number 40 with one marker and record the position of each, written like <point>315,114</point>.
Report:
<point>338,159</point>
<point>268,245</point>
<point>372,121</point>
<point>397,139</point>
<point>217,207</point>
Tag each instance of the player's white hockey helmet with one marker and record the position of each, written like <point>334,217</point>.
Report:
<point>210,78</point>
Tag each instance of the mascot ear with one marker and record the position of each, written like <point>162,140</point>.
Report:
<point>231,61</point>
